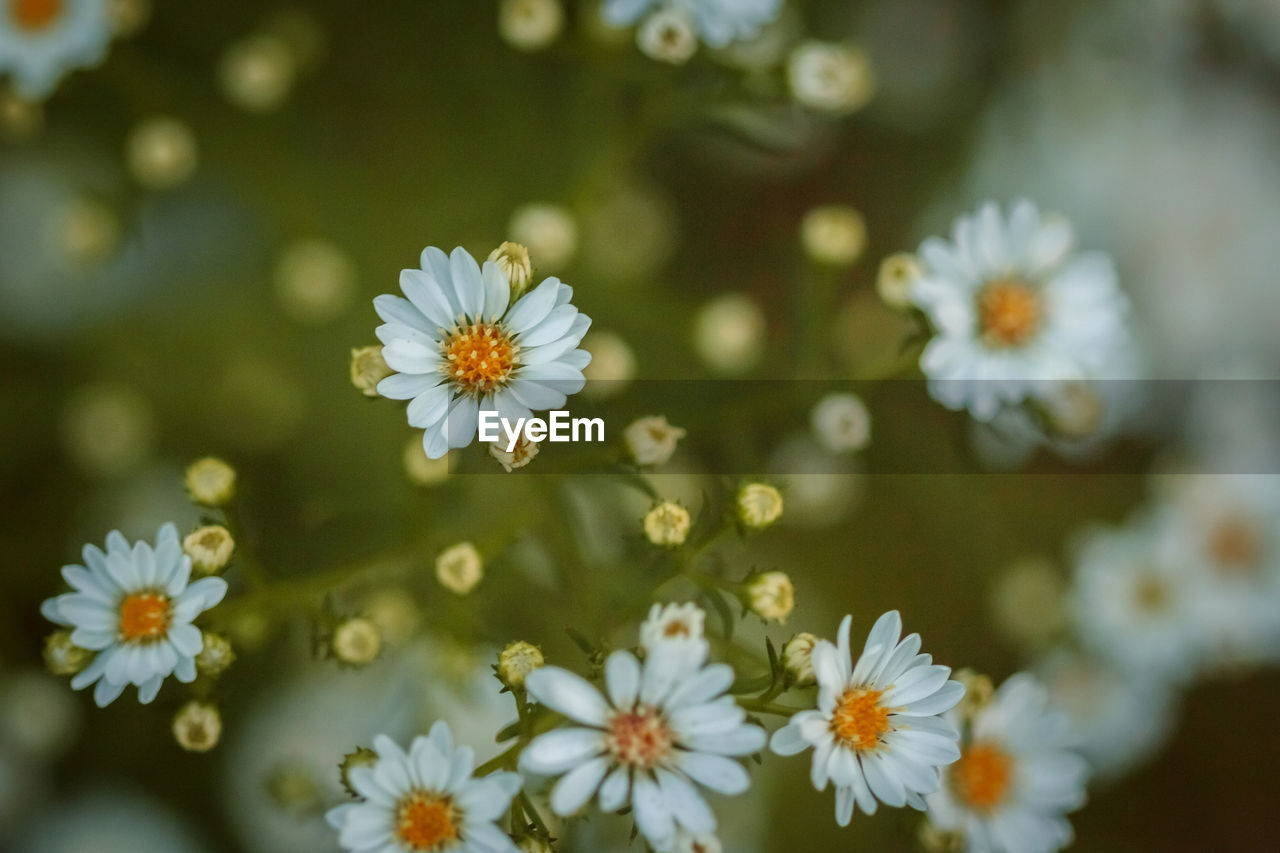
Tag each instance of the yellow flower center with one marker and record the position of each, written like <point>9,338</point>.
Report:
<point>144,617</point>
<point>859,719</point>
<point>1008,312</point>
<point>982,775</point>
<point>1236,546</point>
<point>1151,594</point>
<point>640,738</point>
<point>426,822</point>
<point>677,628</point>
<point>481,356</point>
<point>34,15</point>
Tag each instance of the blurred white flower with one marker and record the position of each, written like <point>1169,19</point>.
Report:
<point>717,22</point>
<point>460,347</point>
<point>1013,309</point>
<point>668,36</point>
<point>258,72</point>
<point>729,334</point>
<point>134,607</point>
<point>651,440</point>
<point>459,568</point>
<point>841,423</point>
<point>43,40</point>
<point>425,799</point>
<point>834,78</point>
<point>530,24</point>
<point>549,231</point>
<point>834,234</point>
<point>314,281</point>
<point>1016,778</point>
<point>613,364</point>
<point>669,623</point>
<point>660,729</point>
<point>667,524</point>
<point>877,732</point>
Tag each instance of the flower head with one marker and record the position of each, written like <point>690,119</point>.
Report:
<point>667,524</point>
<point>425,800</point>
<point>660,729</point>
<point>517,661</point>
<point>1014,310</point>
<point>717,23</point>
<point>210,481</point>
<point>134,607</point>
<point>460,344</point>
<point>668,35</point>
<point>209,548</point>
<point>896,279</point>
<point>513,260</point>
<point>771,596</point>
<point>356,641</point>
<point>668,623</point>
<point>1015,779</point>
<point>459,568</point>
<point>758,505</point>
<point>651,440</point>
<point>876,732</point>
<point>368,368</point>
<point>797,659</point>
<point>197,727</point>
<point>42,40</point>
<point>834,234</point>
<point>834,78</point>
<point>841,423</point>
<point>63,657</point>
<point>530,24</point>
<point>520,455</point>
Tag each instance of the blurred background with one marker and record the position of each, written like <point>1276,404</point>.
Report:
<point>191,232</point>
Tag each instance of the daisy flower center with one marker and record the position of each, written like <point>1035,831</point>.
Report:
<point>426,822</point>
<point>35,15</point>
<point>677,628</point>
<point>480,356</point>
<point>1236,546</point>
<point>640,738</point>
<point>1008,312</point>
<point>859,719</point>
<point>982,775</point>
<point>1151,594</point>
<point>144,617</point>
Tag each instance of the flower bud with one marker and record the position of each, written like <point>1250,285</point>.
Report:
<point>216,657</point>
<point>518,457</point>
<point>459,568</point>
<point>368,368</point>
<point>516,661</point>
<point>834,234</point>
<point>209,548</point>
<point>978,690</point>
<point>771,596</point>
<point>211,482</point>
<point>530,24</point>
<point>841,423</point>
<point>513,260</point>
<point>356,641</point>
<point>668,36</point>
<point>667,524</point>
<point>421,470</point>
<point>834,78</point>
<point>162,153</point>
<point>361,757</point>
<point>651,440</point>
<point>758,505</point>
<point>197,727</point>
<point>672,623</point>
<point>897,278</point>
<point>729,334</point>
<point>797,659</point>
<point>63,657</point>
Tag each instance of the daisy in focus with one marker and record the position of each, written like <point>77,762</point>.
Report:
<point>134,607</point>
<point>1016,778</point>
<point>1014,310</point>
<point>425,799</point>
<point>42,40</point>
<point>459,345</point>
<point>718,22</point>
<point>661,729</point>
<point>877,732</point>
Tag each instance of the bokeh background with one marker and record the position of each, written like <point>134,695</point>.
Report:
<point>148,318</point>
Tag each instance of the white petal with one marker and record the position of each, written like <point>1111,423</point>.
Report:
<point>570,694</point>
<point>577,786</point>
<point>622,678</point>
<point>715,772</point>
<point>555,752</point>
<point>653,817</point>
<point>616,788</point>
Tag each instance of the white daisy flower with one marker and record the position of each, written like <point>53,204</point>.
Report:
<point>42,40</point>
<point>668,623</point>
<point>425,800</point>
<point>1134,601</point>
<point>1016,778</point>
<point>661,729</point>
<point>458,346</point>
<point>1013,308</point>
<point>134,607</point>
<point>718,22</point>
<point>876,733</point>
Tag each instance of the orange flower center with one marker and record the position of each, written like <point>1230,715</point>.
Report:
<point>1236,546</point>
<point>859,719</point>
<point>677,628</point>
<point>1151,594</point>
<point>982,775</point>
<point>481,356</point>
<point>1008,312</point>
<point>33,15</point>
<point>426,822</point>
<point>640,738</point>
<point>144,617</point>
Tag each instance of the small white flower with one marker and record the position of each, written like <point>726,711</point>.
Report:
<point>834,234</point>
<point>897,278</point>
<point>549,231</point>
<point>514,261</point>
<point>41,41</point>
<point>1015,779</point>
<point>519,456</point>
<point>669,623</point>
<point>835,78</point>
<point>668,36</point>
<point>356,641</point>
<point>651,440</point>
<point>729,334</point>
<point>459,345</point>
<point>530,24</point>
<point>1134,601</point>
<point>516,661</point>
<point>876,732</point>
<point>841,423</point>
<point>424,800</point>
<point>758,505</point>
<point>134,607</point>
<point>663,727</point>
<point>210,481</point>
<point>1014,310</point>
<point>771,596</point>
<point>459,568</point>
<point>797,658</point>
<point>368,368</point>
<point>210,548</point>
<point>197,727</point>
<point>667,524</point>
<point>718,23</point>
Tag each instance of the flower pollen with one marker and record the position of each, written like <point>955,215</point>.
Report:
<point>982,775</point>
<point>144,617</point>
<point>858,719</point>
<point>481,356</point>
<point>426,822</point>
<point>35,15</point>
<point>1236,546</point>
<point>640,737</point>
<point>1008,312</point>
